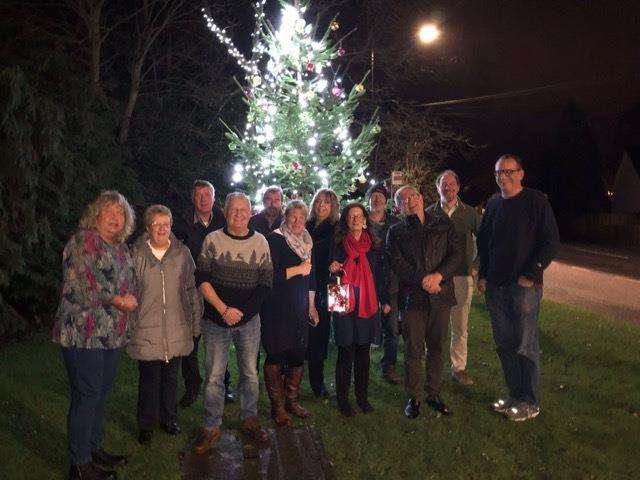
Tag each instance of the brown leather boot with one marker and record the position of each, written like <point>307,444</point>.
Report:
<point>275,388</point>
<point>292,382</point>
<point>207,438</point>
<point>251,428</point>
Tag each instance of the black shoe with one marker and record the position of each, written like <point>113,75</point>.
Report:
<point>229,396</point>
<point>89,471</point>
<point>346,409</point>
<point>144,436</point>
<point>439,406</point>
<point>412,410</point>
<point>365,406</point>
<point>107,459</point>
<point>172,428</point>
<point>188,398</point>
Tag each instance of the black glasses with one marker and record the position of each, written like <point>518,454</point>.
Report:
<point>507,173</point>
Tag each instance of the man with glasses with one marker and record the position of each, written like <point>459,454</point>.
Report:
<point>517,240</point>
<point>424,252</point>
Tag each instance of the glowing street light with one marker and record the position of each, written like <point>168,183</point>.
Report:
<point>428,33</point>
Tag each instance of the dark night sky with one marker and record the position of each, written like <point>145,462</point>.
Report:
<point>588,49</point>
<point>509,44</point>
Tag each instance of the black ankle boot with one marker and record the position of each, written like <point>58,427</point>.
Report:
<point>89,471</point>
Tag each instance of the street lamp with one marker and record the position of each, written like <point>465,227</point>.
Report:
<point>428,33</point>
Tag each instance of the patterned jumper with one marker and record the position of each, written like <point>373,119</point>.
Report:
<point>93,273</point>
<point>240,271</point>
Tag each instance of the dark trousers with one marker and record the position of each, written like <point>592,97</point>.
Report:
<point>318,347</point>
<point>419,328</point>
<point>290,358</point>
<point>356,358</point>
<point>191,370</point>
<point>91,373</point>
<point>514,320</point>
<point>390,335</point>
<point>157,393</point>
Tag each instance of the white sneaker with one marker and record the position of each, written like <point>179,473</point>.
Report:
<point>522,412</point>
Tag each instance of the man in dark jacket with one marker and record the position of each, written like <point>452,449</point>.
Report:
<point>466,221</point>
<point>191,230</point>
<point>517,240</point>
<point>381,221</point>
<point>270,217</point>
<point>424,252</point>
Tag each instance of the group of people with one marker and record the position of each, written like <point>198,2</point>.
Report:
<point>233,277</point>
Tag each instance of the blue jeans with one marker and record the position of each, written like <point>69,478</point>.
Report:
<point>217,340</point>
<point>91,373</point>
<point>514,319</point>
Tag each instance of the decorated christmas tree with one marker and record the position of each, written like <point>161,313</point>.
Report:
<point>300,131</point>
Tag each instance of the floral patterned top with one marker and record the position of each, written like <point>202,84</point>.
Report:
<point>93,273</point>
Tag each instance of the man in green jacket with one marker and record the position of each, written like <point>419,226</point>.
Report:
<point>466,222</point>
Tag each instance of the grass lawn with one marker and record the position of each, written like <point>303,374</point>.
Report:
<point>589,426</point>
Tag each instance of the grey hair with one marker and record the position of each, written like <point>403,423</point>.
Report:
<point>333,199</point>
<point>89,219</point>
<point>444,174</point>
<point>154,210</point>
<point>233,196</point>
<point>296,205</point>
<point>396,196</point>
<point>273,189</point>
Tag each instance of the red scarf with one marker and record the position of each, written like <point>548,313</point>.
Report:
<point>360,275</point>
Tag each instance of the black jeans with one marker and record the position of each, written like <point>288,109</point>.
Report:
<point>429,326</point>
<point>157,390</point>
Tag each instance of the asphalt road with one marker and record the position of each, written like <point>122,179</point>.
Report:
<point>603,280</point>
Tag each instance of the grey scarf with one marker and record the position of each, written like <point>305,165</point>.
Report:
<point>300,244</point>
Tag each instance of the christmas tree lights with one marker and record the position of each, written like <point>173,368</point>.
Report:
<point>299,130</point>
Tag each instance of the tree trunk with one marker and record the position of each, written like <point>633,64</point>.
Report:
<point>136,78</point>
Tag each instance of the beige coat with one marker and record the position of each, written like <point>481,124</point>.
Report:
<point>169,305</point>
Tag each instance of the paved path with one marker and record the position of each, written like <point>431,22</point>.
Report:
<point>597,279</point>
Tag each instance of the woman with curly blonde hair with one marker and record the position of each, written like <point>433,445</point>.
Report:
<point>92,325</point>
